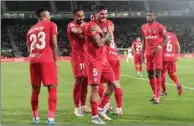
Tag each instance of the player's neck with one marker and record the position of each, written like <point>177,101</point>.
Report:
<point>151,22</point>
<point>43,20</point>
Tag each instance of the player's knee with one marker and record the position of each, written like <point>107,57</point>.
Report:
<point>109,90</point>
<point>78,80</point>
<point>171,74</point>
<point>52,86</point>
<point>158,73</point>
<point>150,75</point>
<point>117,85</point>
<point>35,87</point>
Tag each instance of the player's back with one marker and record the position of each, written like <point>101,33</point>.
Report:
<point>76,41</point>
<point>169,50</point>
<point>94,54</point>
<point>137,45</point>
<point>39,42</point>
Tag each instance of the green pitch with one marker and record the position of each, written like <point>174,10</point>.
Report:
<point>137,109</point>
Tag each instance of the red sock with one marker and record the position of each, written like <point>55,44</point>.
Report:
<point>158,87</point>
<point>94,107</point>
<point>84,91</point>
<point>34,102</point>
<point>119,97</point>
<point>101,90</point>
<point>163,82</point>
<point>104,101</point>
<point>76,94</point>
<point>140,68</point>
<point>152,85</point>
<point>52,101</point>
<point>174,78</point>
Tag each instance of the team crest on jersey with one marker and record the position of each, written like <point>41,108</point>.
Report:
<point>154,31</point>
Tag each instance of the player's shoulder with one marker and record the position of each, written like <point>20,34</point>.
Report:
<point>71,24</point>
<point>31,29</point>
<point>158,23</point>
<point>144,25</point>
<point>52,23</point>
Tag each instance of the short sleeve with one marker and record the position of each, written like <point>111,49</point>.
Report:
<point>162,30</point>
<point>54,29</point>
<point>91,32</point>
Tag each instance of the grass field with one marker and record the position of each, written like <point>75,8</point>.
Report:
<point>137,109</point>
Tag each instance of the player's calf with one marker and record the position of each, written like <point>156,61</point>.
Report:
<point>158,85</point>
<point>34,104</point>
<point>152,81</point>
<point>119,98</point>
<point>176,81</point>
<point>52,103</point>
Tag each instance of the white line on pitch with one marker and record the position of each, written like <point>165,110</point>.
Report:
<point>128,76</point>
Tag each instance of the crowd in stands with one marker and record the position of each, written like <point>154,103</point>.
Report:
<point>126,30</point>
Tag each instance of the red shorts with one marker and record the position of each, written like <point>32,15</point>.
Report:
<point>115,65</point>
<point>43,72</point>
<point>78,66</point>
<point>98,74</point>
<point>169,66</point>
<point>137,59</point>
<point>154,62</point>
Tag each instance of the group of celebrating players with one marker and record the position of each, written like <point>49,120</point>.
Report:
<point>95,61</point>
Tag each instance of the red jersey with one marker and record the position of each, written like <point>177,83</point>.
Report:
<point>39,41</point>
<point>137,46</point>
<point>112,49</point>
<point>76,42</point>
<point>94,55</point>
<point>153,35</point>
<point>169,51</point>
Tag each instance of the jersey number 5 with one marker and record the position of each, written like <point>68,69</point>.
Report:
<point>38,41</point>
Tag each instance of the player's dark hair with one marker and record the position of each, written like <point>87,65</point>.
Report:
<point>151,11</point>
<point>76,10</point>
<point>99,8</point>
<point>40,10</point>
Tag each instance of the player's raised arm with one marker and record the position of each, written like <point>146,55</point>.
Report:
<point>78,16</point>
<point>76,30</point>
<point>54,42</point>
<point>97,40</point>
<point>111,30</point>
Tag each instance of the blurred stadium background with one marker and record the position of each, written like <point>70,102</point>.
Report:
<point>128,16</point>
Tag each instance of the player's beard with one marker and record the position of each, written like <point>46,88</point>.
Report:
<point>102,20</point>
<point>80,22</point>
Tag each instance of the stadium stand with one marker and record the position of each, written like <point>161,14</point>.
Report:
<point>126,29</point>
